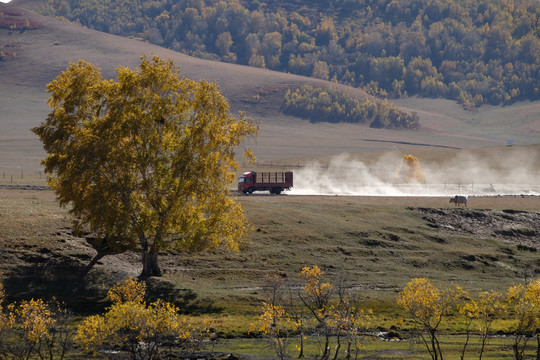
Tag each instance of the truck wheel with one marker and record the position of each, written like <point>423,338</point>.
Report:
<point>250,191</point>
<point>275,191</point>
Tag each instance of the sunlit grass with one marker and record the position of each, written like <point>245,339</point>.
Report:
<point>497,347</point>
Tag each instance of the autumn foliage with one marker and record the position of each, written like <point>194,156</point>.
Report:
<point>427,305</point>
<point>332,105</point>
<point>132,325</point>
<point>33,329</point>
<point>472,51</point>
<point>327,310</point>
<point>409,171</point>
<point>16,20</point>
<point>144,162</point>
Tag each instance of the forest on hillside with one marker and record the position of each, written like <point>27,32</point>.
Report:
<point>472,51</point>
<point>332,105</point>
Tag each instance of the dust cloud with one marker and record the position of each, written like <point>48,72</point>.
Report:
<point>514,173</point>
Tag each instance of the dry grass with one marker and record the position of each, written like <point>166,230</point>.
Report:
<point>377,244</point>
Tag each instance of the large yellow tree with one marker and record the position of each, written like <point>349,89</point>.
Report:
<point>144,161</point>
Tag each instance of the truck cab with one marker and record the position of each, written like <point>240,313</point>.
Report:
<point>246,182</point>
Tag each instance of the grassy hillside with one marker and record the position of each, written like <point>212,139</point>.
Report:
<point>375,244</point>
<point>42,53</point>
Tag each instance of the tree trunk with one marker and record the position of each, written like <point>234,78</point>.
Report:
<point>338,346</point>
<point>326,353</point>
<point>434,346</point>
<point>103,248</point>
<point>349,344</point>
<point>537,346</point>
<point>301,355</point>
<point>150,263</point>
<point>101,245</point>
<point>93,262</point>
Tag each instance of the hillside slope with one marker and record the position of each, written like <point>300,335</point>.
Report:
<point>39,55</point>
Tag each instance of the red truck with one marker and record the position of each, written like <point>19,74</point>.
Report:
<point>275,182</point>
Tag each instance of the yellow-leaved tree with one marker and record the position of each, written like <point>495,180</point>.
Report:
<point>34,329</point>
<point>132,325</point>
<point>427,305</point>
<point>524,306</point>
<point>488,307</point>
<point>316,296</point>
<point>409,171</point>
<point>145,161</point>
<point>276,324</point>
<point>4,326</point>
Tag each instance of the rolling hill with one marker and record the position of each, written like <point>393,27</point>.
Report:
<point>38,55</point>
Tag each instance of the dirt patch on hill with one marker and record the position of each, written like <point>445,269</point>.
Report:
<point>511,226</point>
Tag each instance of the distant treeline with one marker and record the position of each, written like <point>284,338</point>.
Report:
<point>332,105</point>
<point>472,51</point>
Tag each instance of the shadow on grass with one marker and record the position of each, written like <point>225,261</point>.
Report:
<point>62,281</point>
<point>185,299</point>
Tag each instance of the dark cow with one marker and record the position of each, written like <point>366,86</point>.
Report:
<point>458,199</point>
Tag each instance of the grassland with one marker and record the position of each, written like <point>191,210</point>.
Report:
<point>374,244</point>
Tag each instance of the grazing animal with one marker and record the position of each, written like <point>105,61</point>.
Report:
<point>458,199</point>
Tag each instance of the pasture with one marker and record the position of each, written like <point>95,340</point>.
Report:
<point>374,244</point>
<point>378,243</point>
